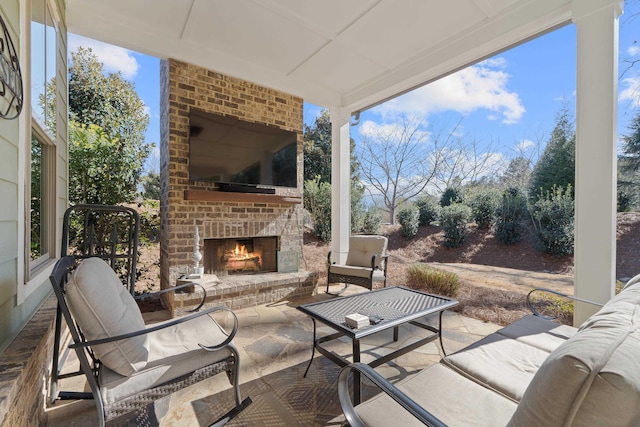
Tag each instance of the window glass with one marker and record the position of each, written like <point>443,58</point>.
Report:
<point>40,191</point>
<point>43,66</point>
<point>39,202</point>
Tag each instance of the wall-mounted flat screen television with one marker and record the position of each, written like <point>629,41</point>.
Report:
<point>225,149</point>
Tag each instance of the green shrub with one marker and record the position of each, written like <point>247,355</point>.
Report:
<point>429,210</point>
<point>372,221</point>
<point>454,219</point>
<point>483,205</point>
<point>149,212</point>
<point>450,195</point>
<point>508,225</point>
<point>553,219</point>
<point>408,217</point>
<point>433,280</point>
<point>317,200</point>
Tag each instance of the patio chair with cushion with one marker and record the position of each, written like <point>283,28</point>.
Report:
<point>366,262</point>
<point>129,365</point>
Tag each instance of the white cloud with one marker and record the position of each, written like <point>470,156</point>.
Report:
<point>524,145</point>
<point>390,131</point>
<point>631,91</point>
<point>113,57</point>
<point>482,86</point>
<point>634,50</point>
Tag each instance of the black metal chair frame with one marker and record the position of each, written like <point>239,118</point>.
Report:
<point>366,282</point>
<point>89,364</point>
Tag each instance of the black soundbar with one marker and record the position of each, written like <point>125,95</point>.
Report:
<point>244,188</point>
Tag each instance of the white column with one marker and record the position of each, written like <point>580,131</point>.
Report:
<point>596,137</point>
<point>340,184</point>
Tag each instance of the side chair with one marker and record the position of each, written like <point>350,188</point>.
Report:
<point>129,365</point>
<point>366,262</point>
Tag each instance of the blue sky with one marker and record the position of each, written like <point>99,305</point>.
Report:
<point>507,103</point>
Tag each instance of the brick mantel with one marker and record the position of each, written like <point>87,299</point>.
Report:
<point>186,204</point>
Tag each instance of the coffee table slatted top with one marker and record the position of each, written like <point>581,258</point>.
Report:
<point>395,305</point>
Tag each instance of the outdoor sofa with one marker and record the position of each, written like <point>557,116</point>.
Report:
<point>534,372</point>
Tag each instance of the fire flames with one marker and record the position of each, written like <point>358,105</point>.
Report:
<point>240,258</point>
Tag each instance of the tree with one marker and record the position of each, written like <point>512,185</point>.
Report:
<point>104,171</point>
<point>151,185</point>
<point>629,164</point>
<point>106,133</point>
<point>317,148</point>
<point>517,174</point>
<point>399,162</point>
<point>556,166</point>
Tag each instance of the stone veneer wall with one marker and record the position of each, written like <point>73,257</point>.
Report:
<point>185,86</point>
<point>25,370</point>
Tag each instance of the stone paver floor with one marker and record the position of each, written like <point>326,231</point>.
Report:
<point>275,342</point>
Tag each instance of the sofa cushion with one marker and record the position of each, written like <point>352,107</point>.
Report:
<point>363,248</point>
<point>592,379</point>
<point>544,334</point>
<point>503,364</point>
<point>103,308</point>
<point>451,397</point>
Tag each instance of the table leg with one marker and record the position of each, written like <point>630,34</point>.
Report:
<point>395,333</point>
<point>356,374</point>
<point>444,353</point>
<point>313,349</point>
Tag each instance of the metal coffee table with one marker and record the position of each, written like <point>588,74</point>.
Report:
<point>395,305</point>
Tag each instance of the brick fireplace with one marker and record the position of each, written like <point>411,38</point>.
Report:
<point>252,219</point>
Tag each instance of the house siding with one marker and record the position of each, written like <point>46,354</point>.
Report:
<point>27,312</point>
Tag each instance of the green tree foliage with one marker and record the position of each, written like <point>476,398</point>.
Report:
<point>454,219</point>
<point>106,115</point>
<point>449,196</point>
<point>106,100</point>
<point>629,168</point>
<point>429,209</point>
<point>409,218</point>
<point>151,186</point>
<point>554,219</point>
<point>317,200</point>
<point>104,171</point>
<point>372,222</point>
<point>556,166</point>
<point>483,203</point>
<point>511,211</point>
<point>317,148</point>
<point>518,173</point>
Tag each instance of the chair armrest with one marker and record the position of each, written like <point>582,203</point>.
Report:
<point>374,259</point>
<point>424,416</point>
<point>535,312</point>
<point>175,288</point>
<point>163,325</point>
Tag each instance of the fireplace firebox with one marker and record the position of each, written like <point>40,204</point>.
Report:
<point>246,255</point>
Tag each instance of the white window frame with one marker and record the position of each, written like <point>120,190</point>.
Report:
<point>33,273</point>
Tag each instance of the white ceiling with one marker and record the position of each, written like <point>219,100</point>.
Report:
<point>334,53</point>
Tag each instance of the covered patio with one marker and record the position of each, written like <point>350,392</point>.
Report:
<point>350,57</point>
<point>344,56</point>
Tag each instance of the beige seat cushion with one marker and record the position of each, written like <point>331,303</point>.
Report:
<point>350,271</point>
<point>503,364</point>
<point>173,352</point>
<point>363,248</point>
<point>453,398</point>
<point>103,308</point>
<point>544,334</point>
<point>592,379</point>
